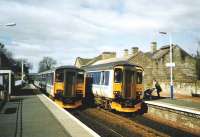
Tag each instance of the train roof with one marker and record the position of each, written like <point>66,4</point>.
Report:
<point>68,67</point>
<point>61,67</point>
<point>109,65</point>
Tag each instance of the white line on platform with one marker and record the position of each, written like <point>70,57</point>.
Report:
<point>72,117</point>
<point>170,106</point>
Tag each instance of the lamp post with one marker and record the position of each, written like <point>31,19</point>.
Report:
<point>170,64</point>
<point>8,71</point>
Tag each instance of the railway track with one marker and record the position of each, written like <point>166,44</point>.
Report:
<point>108,124</point>
<point>96,125</point>
<point>163,126</point>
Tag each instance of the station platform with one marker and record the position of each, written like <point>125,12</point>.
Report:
<point>180,104</point>
<point>31,114</point>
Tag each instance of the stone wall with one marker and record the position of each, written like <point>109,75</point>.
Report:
<point>197,91</point>
<point>185,66</point>
<point>187,88</point>
<point>182,121</point>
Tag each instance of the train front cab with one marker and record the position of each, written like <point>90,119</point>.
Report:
<point>127,89</point>
<point>69,88</point>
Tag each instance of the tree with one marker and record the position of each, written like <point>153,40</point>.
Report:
<point>5,51</point>
<point>46,63</point>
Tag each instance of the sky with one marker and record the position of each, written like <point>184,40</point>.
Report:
<point>66,29</point>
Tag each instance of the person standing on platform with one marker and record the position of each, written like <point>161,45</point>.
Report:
<point>158,88</point>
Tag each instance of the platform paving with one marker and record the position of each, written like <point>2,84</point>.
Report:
<point>182,103</point>
<point>26,116</point>
<point>179,101</point>
<point>188,105</point>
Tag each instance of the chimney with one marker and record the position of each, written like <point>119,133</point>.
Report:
<point>153,47</point>
<point>125,52</point>
<point>107,55</point>
<point>134,50</point>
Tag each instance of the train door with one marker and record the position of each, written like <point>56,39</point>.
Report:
<point>50,85</point>
<point>89,96</point>
<point>80,87</point>
<point>69,83</point>
<point>118,82</point>
<point>129,84</point>
<point>139,85</point>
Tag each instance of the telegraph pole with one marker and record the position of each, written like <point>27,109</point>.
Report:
<point>22,76</point>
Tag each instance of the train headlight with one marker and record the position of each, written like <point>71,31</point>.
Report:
<point>117,94</point>
<point>59,93</point>
<point>138,94</point>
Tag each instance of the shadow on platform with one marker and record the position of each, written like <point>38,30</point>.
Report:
<point>154,98</point>
<point>26,91</point>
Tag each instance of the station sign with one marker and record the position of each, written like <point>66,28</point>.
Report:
<point>170,64</point>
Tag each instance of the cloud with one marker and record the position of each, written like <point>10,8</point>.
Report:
<point>66,29</point>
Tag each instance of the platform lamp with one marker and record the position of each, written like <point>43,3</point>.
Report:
<point>170,64</point>
<point>11,24</point>
<point>8,24</point>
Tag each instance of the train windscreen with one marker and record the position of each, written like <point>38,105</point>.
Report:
<point>59,76</point>
<point>139,78</point>
<point>118,75</point>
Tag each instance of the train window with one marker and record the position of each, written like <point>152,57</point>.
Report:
<point>89,74</point>
<point>102,78</point>
<point>96,77</point>
<point>106,77</point>
<point>47,78</point>
<point>80,77</point>
<point>59,76</point>
<point>139,77</point>
<point>50,78</point>
<point>118,75</point>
